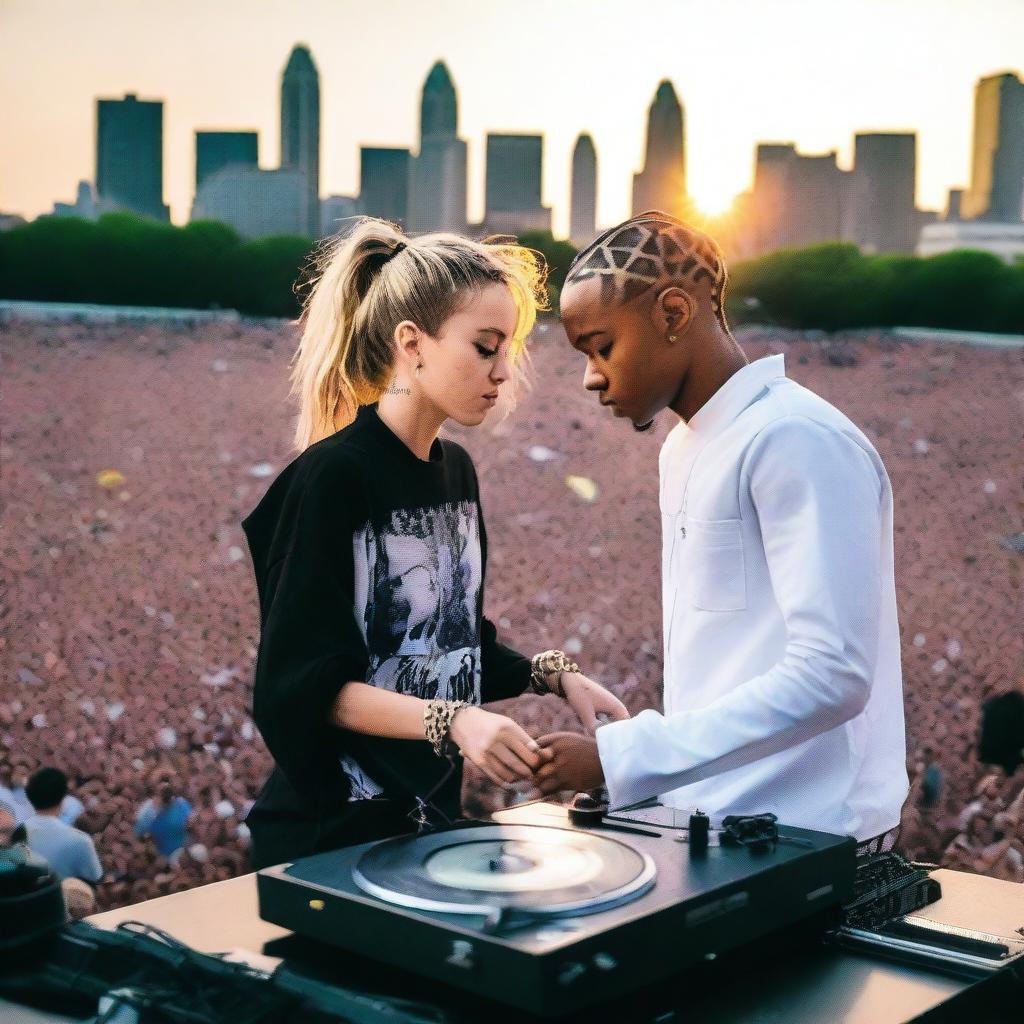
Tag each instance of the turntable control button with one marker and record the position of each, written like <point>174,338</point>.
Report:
<point>605,962</point>
<point>571,972</point>
<point>316,904</point>
<point>461,955</point>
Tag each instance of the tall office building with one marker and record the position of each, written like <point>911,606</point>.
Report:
<point>883,216</point>
<point>84,206</point>
<point>437,174</point>
<point>661,185</point>
<point>512,190</point>
<point>215,150</point>
<point>997,161</point>
<point>255,202</point>
<point>300,130</point>
<point>337,213</point>
<point>384,182</point>
<point>796,200</point>
<point>130,155</point>
<point>583,205</point>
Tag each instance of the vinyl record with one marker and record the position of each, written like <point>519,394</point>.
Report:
<point>536,868</point>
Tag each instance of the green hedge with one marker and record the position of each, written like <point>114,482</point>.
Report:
<point>835,286</point>
<point>124,260</point>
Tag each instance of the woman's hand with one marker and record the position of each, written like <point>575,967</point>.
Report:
<point>500,748</point>
<point>589,699</point>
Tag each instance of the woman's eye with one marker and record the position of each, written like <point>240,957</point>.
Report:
<point>603,352</point>
<point>487,353</point>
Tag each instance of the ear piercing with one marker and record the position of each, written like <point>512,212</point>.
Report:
<point>671,338</point>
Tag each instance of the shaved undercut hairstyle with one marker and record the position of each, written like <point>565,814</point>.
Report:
<point>652,249</point>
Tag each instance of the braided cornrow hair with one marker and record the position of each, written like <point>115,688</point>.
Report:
<point>651,248</point>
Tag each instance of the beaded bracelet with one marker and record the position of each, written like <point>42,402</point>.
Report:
<point>546,662</point>
<point>438,716</point>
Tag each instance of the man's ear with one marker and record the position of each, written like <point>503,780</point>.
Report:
<point>673,312</point>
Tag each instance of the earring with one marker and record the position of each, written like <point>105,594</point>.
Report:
<point>419,366</point>
<point>671,339</point>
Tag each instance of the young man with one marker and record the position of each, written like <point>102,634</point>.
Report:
<point>783,688</point>
<point>70,852</point>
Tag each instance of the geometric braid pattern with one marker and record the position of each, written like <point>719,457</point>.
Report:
<point>631,258</point>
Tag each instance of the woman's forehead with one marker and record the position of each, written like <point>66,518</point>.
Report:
<point>494,302</point>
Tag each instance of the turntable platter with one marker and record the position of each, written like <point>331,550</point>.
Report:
<point>540,869</point>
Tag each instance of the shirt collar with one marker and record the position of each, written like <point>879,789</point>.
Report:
<point>735,395</point>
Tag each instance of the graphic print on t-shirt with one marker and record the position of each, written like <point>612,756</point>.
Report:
<point>417,587</point>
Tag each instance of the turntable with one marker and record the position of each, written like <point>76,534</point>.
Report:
<point>538,913</point>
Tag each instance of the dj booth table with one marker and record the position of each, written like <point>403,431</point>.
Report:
<point>809,985</point>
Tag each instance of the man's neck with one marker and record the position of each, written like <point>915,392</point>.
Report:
<point>722,358</point>
<point>415,423</point>
<point>50,812</point>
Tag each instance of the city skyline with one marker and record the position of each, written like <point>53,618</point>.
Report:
<point>370,104</point>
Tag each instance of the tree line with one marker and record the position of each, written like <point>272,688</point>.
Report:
<point>121,259</point>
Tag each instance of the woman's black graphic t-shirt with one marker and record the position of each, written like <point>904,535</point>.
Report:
<point>370,566</point>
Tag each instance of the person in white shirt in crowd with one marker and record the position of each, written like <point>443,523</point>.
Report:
<point>783,686</point>
<point>70,852</point>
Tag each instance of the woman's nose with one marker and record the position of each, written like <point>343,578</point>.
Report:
<point>500,369</point>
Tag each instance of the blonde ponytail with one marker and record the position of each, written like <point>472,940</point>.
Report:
<point>369,282</point>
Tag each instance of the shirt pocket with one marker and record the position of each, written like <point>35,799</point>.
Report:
<point>713,567</point>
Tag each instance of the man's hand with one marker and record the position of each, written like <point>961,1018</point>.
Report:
<point>589,699</point>
<point>574,764</point>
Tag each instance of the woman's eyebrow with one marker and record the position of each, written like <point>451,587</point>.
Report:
<point>493,330</point>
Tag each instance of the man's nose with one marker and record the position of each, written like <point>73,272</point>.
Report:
<point>594,381</point>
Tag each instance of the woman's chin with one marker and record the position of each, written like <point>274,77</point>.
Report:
<point>469,418</point>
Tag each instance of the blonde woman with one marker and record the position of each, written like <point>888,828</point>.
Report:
<point>370,550</point>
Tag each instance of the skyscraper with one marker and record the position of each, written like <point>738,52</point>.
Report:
<point>512,192</point>
<point>215,150</point>
<point>384,182</point>
<point>255,202</point>
<point>130,155</point>
<point>337,213</point>
<point>796,200</point>
<point>883,215</point>
<point>997,162</point>
<point>437,175</point>
<point>300,130</point>
<point>583,208</point>
<point>661,185</point>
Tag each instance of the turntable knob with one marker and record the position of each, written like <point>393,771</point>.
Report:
<point>461,955</point>
<point>571,972</point>
<point>604,962</point>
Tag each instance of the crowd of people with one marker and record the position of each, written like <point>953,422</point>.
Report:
<point>129,628</point>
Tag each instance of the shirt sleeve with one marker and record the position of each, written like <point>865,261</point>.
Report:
<point>817,496</point>
<point>504,672</point>
<point>87,866</point>
<point>310,643</point>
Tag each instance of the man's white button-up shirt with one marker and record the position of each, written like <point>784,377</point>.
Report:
<point>783,686</point>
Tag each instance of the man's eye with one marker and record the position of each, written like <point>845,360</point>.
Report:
<point>603,352</point>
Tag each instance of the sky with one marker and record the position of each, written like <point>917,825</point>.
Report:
<point>812,72</point>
